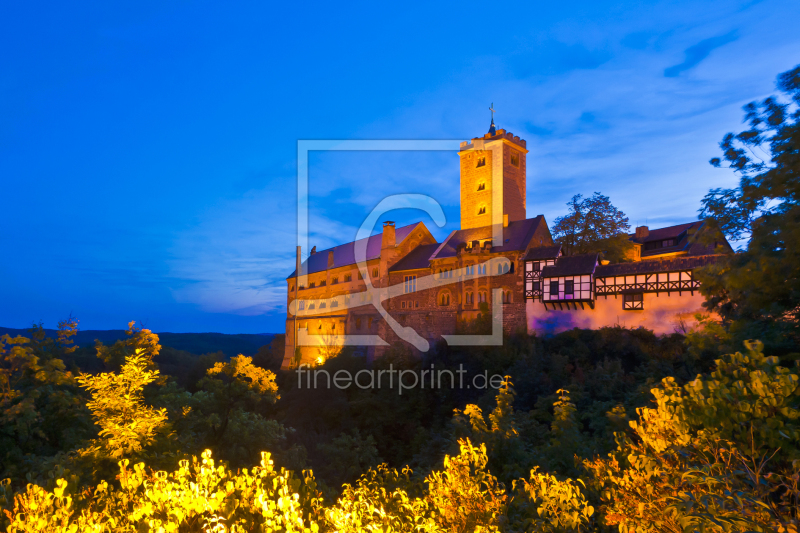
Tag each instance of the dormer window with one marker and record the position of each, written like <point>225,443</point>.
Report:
<point>482,210</point>
<point>481,162</point>
<point>481,186</point>
<point>655,245</point>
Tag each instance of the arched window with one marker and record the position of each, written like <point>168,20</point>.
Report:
<point>482,210</point>
<point>481,186</point>
<point>445,299</point>
<point>504,268</point>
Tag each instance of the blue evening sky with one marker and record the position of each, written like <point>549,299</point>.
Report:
<point>148,149</point>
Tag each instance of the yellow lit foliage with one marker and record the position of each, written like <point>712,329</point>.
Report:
<point>198,496</point>
<point>465,496</point>
<point>240,369</point>
<point>202,496</point>
<point>701,458</point>
<point>546,504</point>
<point>380,501</point>
<point>117,405</point>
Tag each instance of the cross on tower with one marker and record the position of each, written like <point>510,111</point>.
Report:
<point>491,108</point>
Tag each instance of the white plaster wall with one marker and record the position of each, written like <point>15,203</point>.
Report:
<point>662,313</point>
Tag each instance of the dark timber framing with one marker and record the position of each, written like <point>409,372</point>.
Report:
<point>684,282</point>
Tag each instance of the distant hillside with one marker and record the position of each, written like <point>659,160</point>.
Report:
<point>196,343</point>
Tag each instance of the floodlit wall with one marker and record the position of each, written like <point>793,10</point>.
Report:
<point>662,313</point>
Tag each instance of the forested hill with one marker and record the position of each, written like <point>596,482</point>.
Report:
<point>196,343</point>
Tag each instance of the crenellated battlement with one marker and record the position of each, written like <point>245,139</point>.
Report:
<point>499,134</point>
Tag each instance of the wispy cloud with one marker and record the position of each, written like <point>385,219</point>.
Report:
<point>698,52</point>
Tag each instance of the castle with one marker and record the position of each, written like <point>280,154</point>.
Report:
<point>498,257</point>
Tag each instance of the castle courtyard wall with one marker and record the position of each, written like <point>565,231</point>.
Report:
<point>663,313</point>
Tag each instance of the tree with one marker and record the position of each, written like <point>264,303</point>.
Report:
<point>761,285</point>
<point>593,225</point>
<point>114,356</point>
<point>117,405</point>
<point>42,409</point>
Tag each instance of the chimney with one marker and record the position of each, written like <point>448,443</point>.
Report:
<point>642,232</point>
<point>387,239</point>
<point>313,251</point>
<point>330,259</point>
<point>505,221</point>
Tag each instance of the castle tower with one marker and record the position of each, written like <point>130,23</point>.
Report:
<point>492,178</point>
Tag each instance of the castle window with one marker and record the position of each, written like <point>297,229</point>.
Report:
<point>506,297</point>
<point>302,305</point>
<point>348,277</point>
<point>374,272</point>
<point>654,245</point>
<point>481,162</point>
<point>358,323</point>
<point>469,298</point>
<point>310,306</point>
<point>481,186</point>
<point>554,288</point>
<point>334,281</point>
<point>445,299</point>
<point>403,305</point>
<point>312,284</point>
<point>482,297</point>
<point>569,287</point>
<point>369,322</point>
<point>335,303</point>
<point>322,283</point>
<point>515,159</point>
<point>291,288</point>
<point>504,268</point>
<point>410,284</point>
<point>323,305</point>
<point>470,270</point>
<point>482,270</point>
<point>416,304</point>
<point>633,301</point>
<point>482,210</point>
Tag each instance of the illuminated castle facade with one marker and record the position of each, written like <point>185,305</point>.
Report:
<point>500,257</point>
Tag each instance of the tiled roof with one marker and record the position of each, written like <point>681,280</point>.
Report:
<point>419,257</point>
<point>571,266</point>
<point>670,232</point>
<point>678,233</point>
<point>543,252</point>
<point>344,254</point>
<point>515,237</point>
<point>653,266</point>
